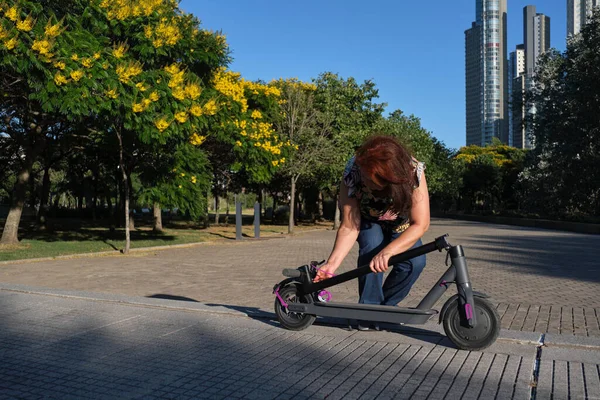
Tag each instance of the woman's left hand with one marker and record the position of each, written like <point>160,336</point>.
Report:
<point>379,263</point>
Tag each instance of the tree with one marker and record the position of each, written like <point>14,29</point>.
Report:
<point>561,175</point>
<point>140,72</point>
<point>300,126</point>
<point>489,174</point>
<point>351,112</point>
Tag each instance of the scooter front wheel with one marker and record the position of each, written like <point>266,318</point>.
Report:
<point>482,335</point>
<point>291,320</point>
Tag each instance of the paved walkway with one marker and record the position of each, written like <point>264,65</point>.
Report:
<point>57,346</point>
<point>540,280</point>
<point>174,324</point>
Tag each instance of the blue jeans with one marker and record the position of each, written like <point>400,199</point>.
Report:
<point>371,288</point>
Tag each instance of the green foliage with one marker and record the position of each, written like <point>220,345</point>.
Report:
<point>561,176</point>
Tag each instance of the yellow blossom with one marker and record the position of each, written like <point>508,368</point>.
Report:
<point>179,186</point>
<point>243,132</point>
<point>77,75</point>
<point>74,57</point>
<point>275,162</point>
<point>154,96</point>
<point>26,25</point>
<point>12,13</point>
<point>112,93</point>
<point>282,160</point>
<point>141,87</point>
<point>197,140</point>
<point>161,124</point>
<point>87,62</point>
<point>3,32</point>
<point>210,108</point>
<point>137,107</point>
<point>181,117</point>
<point>157,43</point>
<point>176,79</point>
<point>194,180</point>
<point>238,143</point>
<point>178,93</point>
<point>196,110</point>
<point>60,65</point>
<point>96,56</point>
<point>182,174</point>
<point>42,46</point>
<point>148,31</point>
<point>105,65</point>
<point>147,103</point>
<point>172,69</point>
<point>52,30</point>
<point>129,70</point>
<point>193,91</point>
<point>120,50</point>
<point>256,114</point>
<point>59,79</point>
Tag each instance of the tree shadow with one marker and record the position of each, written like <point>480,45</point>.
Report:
<point>56,347</point>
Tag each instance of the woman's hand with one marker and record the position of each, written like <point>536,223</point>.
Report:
<point>324,272</point>
<point>379,263</point>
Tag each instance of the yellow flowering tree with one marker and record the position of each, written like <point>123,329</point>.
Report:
<point>141,72</point>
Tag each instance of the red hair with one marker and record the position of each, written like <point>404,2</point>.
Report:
<point>387,163</point>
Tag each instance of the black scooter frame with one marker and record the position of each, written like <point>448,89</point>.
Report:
<point>456,273</point>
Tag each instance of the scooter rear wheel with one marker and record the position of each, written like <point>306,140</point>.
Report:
<point>291,320</point>
<point>478,337</point>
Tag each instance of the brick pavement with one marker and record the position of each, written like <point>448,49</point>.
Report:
<point>541,280</point>
<point>56,347</point>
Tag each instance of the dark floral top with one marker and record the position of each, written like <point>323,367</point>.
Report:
<point>376,209</point>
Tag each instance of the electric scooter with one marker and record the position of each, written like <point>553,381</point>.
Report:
<point>470,321</point>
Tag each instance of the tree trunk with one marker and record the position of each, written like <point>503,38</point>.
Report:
<point>292,205</point>
<point>32,194</point>
<point>320,205</point>
<point>217,209</point>
<point>274,208</point>
<point>10,235</point>
<point>157,218</point>
<point>126,194</point>
<point>337,218</point>
<point>42,212</point>
<point>226,209</point>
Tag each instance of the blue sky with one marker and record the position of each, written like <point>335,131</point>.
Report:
<point>413,50</point>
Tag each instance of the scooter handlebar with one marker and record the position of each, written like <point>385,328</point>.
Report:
<point>292,273</point>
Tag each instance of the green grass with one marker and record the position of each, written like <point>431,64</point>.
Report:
<point>92,241</point>
<point>70,239</point>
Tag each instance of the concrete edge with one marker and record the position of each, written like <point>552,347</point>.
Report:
<point>430,328</point>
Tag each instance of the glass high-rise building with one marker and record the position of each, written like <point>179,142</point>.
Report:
<point>578,12</point>
<point>486,74</point>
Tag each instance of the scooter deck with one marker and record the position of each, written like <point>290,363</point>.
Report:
<point>367,312</point>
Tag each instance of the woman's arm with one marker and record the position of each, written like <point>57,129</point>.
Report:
<point>419,223</point>
<point>346,234</point>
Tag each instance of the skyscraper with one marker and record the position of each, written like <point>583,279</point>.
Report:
<point>486,74</point>
<point>578,12</point>
<point>536,37</point>
<point>536,41</point>
<point>516,90</point>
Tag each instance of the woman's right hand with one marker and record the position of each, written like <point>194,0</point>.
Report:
<point>324,272</point>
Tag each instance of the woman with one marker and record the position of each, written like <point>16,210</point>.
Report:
<point>385,206</point>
